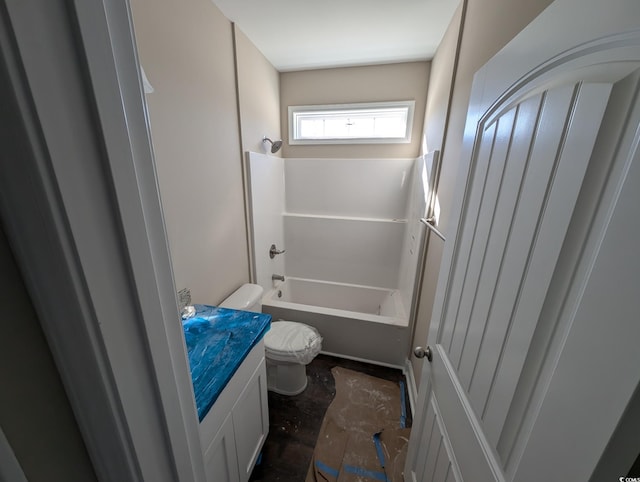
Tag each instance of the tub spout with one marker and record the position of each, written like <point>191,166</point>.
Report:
<point>277,277</point>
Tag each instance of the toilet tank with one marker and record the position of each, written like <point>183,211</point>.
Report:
<point>248,298</point>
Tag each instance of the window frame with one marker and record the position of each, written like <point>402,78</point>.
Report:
<point>302,109</point>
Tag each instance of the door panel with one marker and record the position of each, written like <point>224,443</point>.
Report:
<point>452,331</point>
<point>526,123</point>
<point>435,445</point>
<point>426,438</point>
<point>571,271</point>
<point>493,318</point>
<point>437,466</point>
<point>529,149</point>
<point>513,253</point>
<point>489,188</point>
<point>595,370</point>
<point>563,191</point>
<point>474,459</point>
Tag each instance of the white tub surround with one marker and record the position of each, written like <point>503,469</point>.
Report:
<point>367,188</point>
<point>352,248</point>
<point>346,219</point>
<point>360,322</point>
<point>266,206</point>
<point>363,251</point>
<point>353,301</point>
<point>414,232</point>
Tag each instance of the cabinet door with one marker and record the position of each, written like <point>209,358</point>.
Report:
<point>220,458</point>
<point>251,421</point>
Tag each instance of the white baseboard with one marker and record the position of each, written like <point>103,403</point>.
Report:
<point>363,360</point>
<point>411,384</point>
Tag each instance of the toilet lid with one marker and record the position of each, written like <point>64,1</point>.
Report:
<point>290,338</point>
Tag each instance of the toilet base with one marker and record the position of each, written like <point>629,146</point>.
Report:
<point>286,378</point>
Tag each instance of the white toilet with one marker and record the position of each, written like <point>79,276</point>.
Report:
<point>289,346</point>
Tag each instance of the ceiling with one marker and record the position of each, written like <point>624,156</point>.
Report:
<point>305,34</point>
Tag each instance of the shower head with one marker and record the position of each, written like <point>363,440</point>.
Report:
<point>275,146</point>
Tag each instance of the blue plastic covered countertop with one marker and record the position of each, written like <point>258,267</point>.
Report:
<point>218,340</point>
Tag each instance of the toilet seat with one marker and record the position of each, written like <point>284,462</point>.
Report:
<point>291,341</point>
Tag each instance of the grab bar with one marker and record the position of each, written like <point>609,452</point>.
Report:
<point>430,223</point>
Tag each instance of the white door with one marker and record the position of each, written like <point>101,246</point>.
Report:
<point>534,335</point>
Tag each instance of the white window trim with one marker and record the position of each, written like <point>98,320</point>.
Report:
<point>294,109</point>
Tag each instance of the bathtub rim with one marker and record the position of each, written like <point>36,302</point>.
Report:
<point>270,299</point>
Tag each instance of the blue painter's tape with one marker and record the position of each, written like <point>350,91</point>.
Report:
<point>379,451</point>
<point>370,474</point>
<point>329,470</point>
<point>403,407</point>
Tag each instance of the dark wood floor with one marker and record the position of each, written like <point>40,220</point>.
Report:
<point>294,422</point>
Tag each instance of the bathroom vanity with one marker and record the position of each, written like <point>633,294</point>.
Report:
<point>226,356</point>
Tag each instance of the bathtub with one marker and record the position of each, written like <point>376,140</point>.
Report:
<point>359,322</point>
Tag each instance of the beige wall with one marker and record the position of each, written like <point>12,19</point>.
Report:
<point>35,414</point>
<point>403,81</point>
<point>258,94</point>
<point>186,49</point>
<point>488,26</point>
<point>440,85</point>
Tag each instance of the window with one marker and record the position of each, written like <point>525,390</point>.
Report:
<point>378,122</point>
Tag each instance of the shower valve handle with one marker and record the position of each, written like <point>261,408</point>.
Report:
<point>273,251</point>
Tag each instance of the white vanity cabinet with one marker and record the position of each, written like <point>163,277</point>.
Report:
<point>234,430</point>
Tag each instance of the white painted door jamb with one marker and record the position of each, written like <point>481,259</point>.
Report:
<point>80,204</point>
